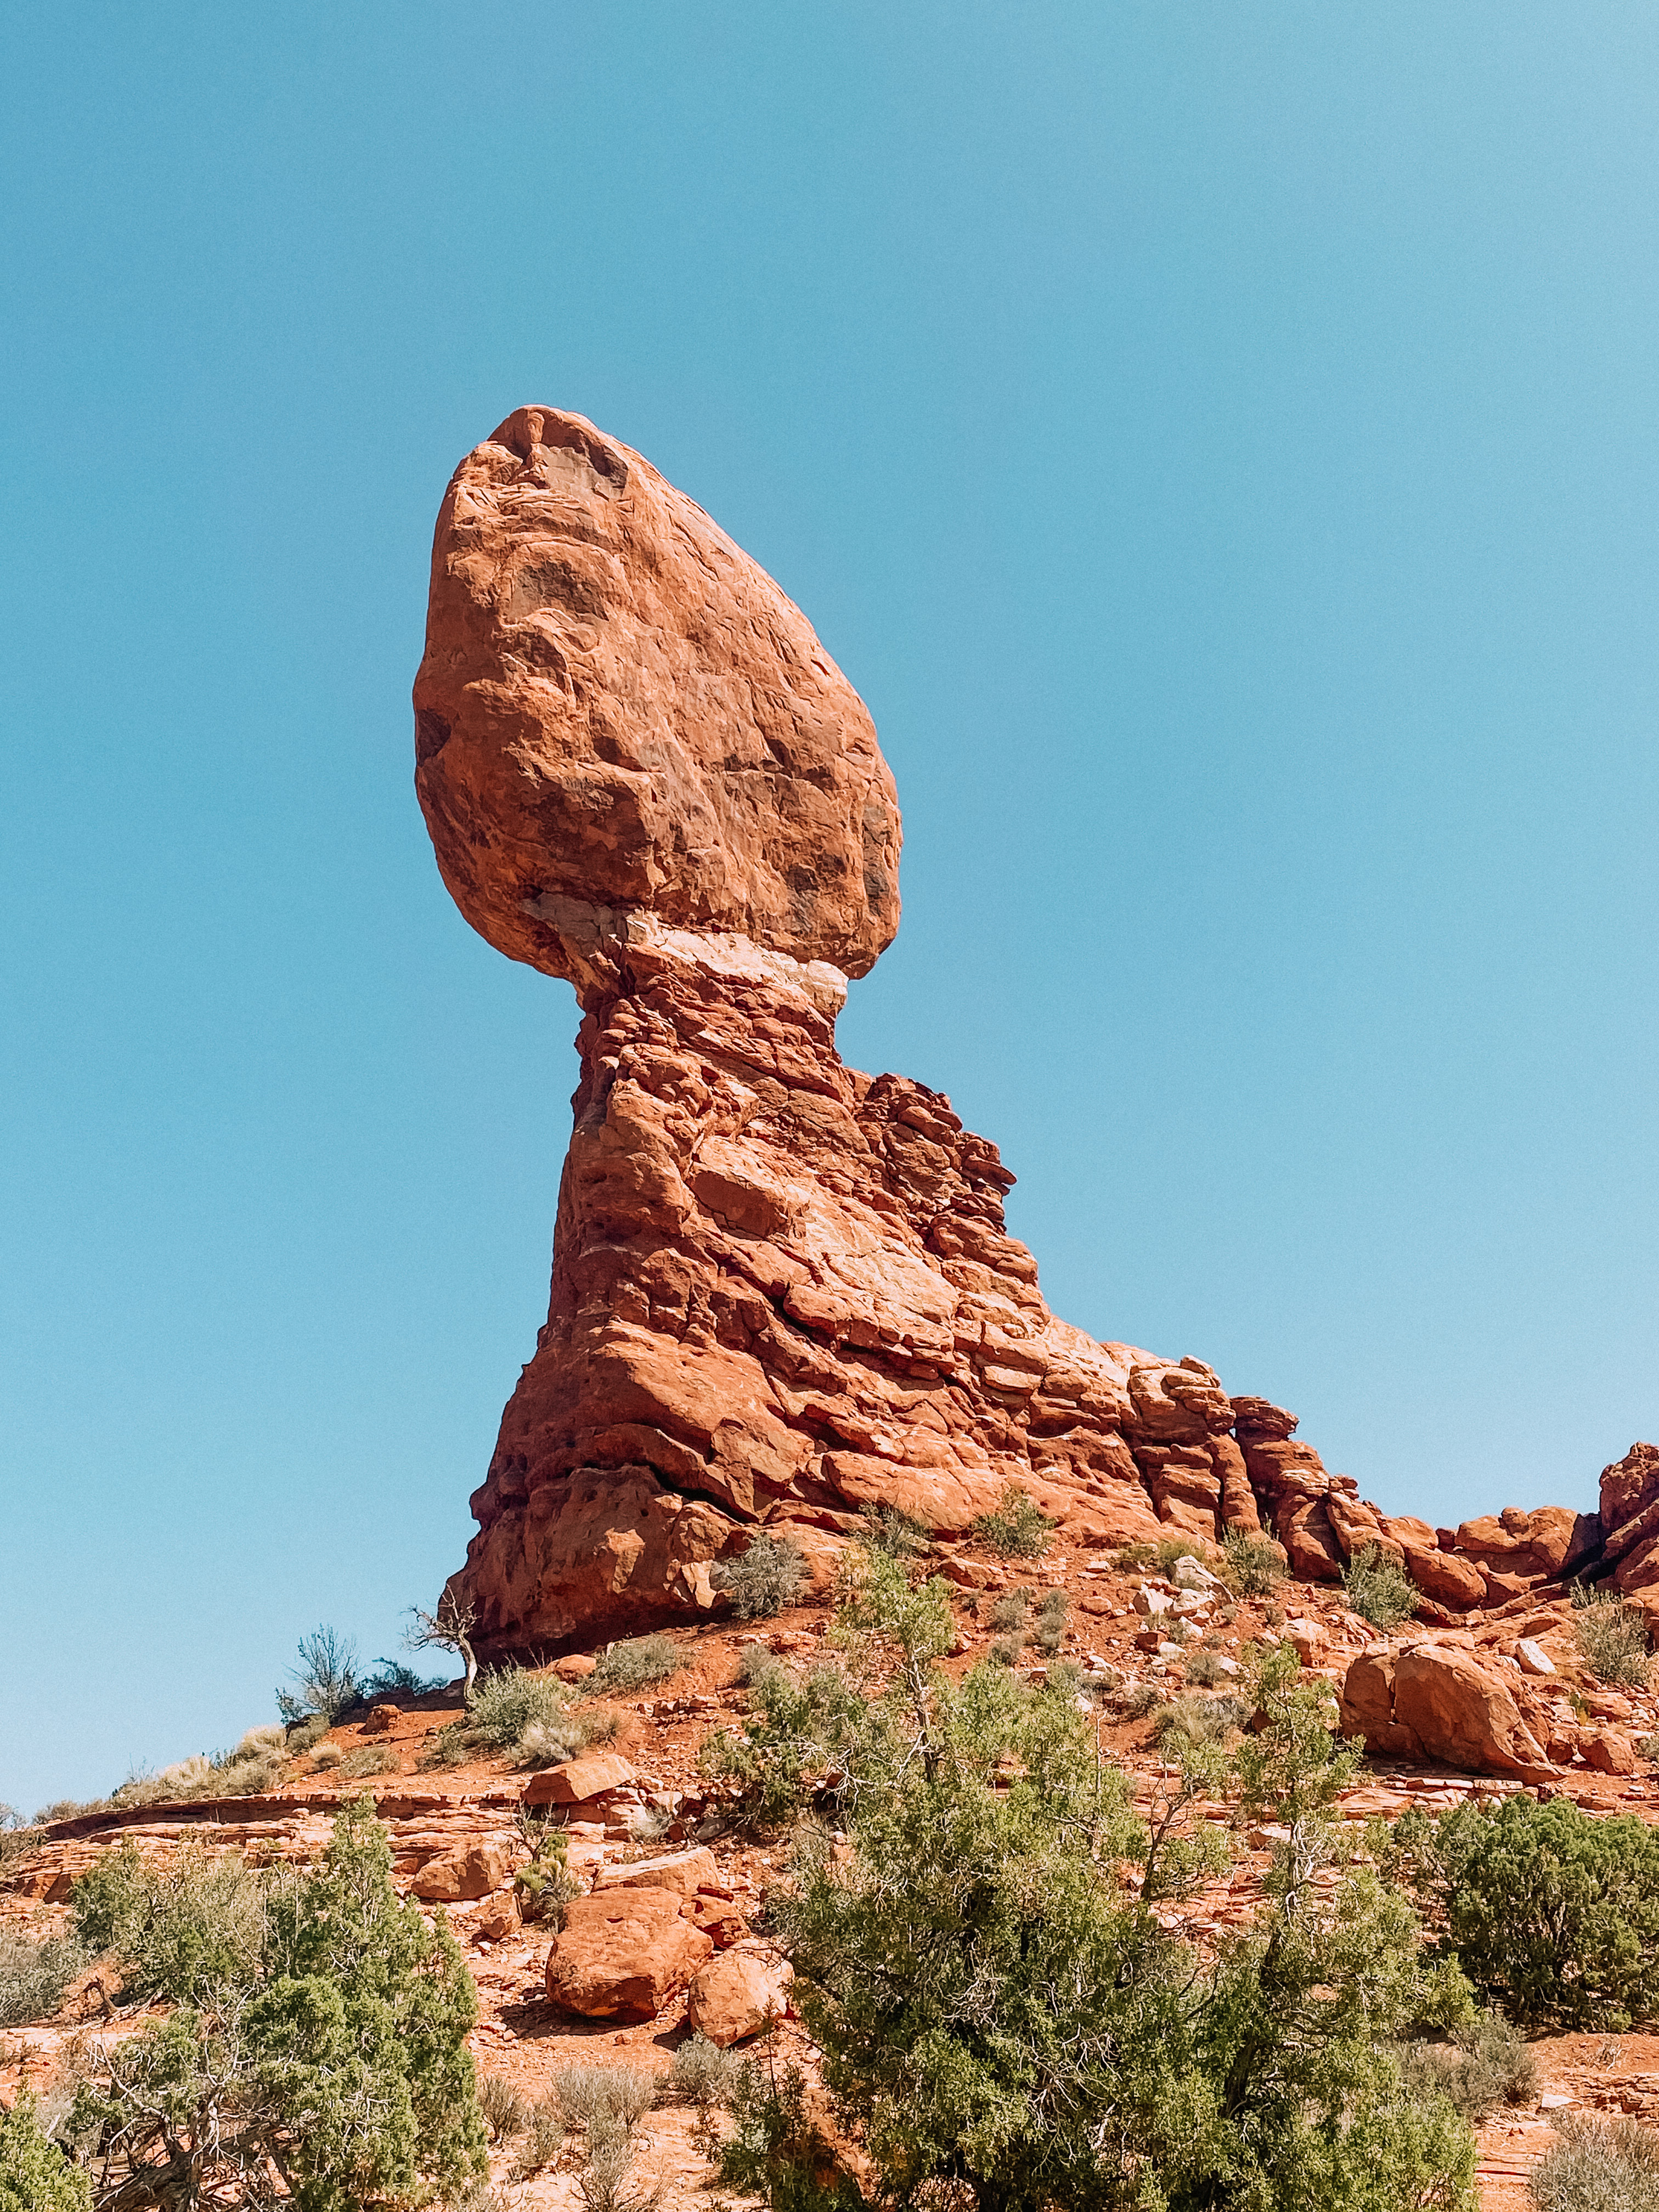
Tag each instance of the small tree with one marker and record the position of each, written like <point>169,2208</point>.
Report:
<point>1378,1589</point>
<point>1007,2021</point>
<point>324,2066</point>
<point>449,1629</point>
<point>327,1678</point>
<point>1553,1912</point>
<point>34,2174</point>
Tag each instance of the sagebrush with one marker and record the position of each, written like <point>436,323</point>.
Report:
<point>1378,1589</point>
<point>1612,1635</point>
<point>1016,1527</point>
<point>35,1972</point>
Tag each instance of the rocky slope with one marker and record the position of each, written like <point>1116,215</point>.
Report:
<point>782,1290</point>
<point>671,1928</point>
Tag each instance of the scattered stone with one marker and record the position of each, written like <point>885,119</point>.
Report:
<point>737,1995</point>
<point>624,1954</point>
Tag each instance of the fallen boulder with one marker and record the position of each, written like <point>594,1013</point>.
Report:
<point>579,1780</point>
<point>459,1875</point>
<point>684,1872</point>
<point>623,1954</point>
<point>736,1995</point>
<point>1441,1698</point>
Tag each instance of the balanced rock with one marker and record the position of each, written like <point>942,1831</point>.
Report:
<point>783,1290</point>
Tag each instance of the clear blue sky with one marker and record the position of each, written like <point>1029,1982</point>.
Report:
<point>1222,443</point>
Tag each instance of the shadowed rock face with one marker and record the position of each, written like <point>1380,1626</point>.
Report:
<point>784,1291</point>
<point>619,714</point>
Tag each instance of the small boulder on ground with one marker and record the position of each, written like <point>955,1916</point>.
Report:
<point>684,1872</point>
<point>579,1780</point>
<point>736,1995</point>
<point>458,1875</point>
<point>624,1954</point>
<point>1609,1751</point>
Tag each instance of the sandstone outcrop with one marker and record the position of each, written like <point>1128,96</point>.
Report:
<point>1437,1700</point>
<point>783,1290</point>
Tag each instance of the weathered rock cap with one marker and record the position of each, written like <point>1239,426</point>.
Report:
<point>619,714</point>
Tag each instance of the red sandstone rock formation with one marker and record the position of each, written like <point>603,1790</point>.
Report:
<point>783,1290</point>
<point>618,712</point>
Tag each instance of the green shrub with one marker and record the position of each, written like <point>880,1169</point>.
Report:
<point>393,1678</point>
<point>599,2099</point>
<point>764,1580</point>
<point>1011,1610</point>
<point>510,1702</point>
<point>1254,1565</point>
<point>35,2176</point>
<point>1553,1914</point>
<point>1486,2065</point>
<point>1204,1670</point>
<point>68,1808</point>
<point>1005,1651</point>
<point>505,2114</point>
<point>788,1747</point>
<point>320,2024</point>
<point>370,1758</point>
<point>33,1976</point>
<point>1051,1622</point>
<point>1003,2021</point>
<point>447,1747</point>
<point>1163,1557</point>
<point>1612,1636</point>
<point>1597,2165</point>
<point>325,1680</point>
<point>1378,1589</point>
<point>635,1665</point>
<point>1017,1528</point>
<point>542,2140</point>
<point>887,1529</point>
<point>544,1884</point>
<point>187,1931</point>
<point>257,1764</point>
<point>755,1663</point>
<point>1191,1719</point>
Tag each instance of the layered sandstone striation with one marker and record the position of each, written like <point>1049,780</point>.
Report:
<point>783,1290</point>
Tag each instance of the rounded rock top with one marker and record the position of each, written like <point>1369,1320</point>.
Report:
<point>619,714</point>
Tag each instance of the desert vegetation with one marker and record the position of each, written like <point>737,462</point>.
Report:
<point>1016,1527</point>
<point>764,1580</point>
<point>1125,2068</point>
<point>312,2048</point>
<point>1612,1636</point>
<point>1378,1589</point>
